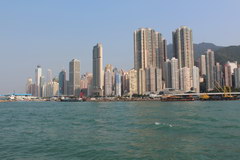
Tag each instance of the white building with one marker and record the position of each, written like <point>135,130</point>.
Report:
<point>174,74</point>
<point>38,75</point>
<point>196,79</point>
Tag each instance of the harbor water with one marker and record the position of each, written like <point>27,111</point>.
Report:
<point>120,130</point>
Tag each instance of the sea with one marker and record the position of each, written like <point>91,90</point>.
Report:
<point>148,130</point>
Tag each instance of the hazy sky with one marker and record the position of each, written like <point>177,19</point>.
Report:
<point>53,32</point>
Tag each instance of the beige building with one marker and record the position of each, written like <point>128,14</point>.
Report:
<point>133,82</point>
<point>149,54</point>
<point>97,87</point>
<point>185,79</point>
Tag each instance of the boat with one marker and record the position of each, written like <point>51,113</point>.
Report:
<point>71,99</point>
<point>176,98</point>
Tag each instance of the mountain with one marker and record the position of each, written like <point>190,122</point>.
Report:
<point>199,49</point>
<point>231,53</point>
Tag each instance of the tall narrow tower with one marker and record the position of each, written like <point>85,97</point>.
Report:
<point>97,70</point>
<point>210,64</point>
<point>74,77</point>
<point>38,75</point>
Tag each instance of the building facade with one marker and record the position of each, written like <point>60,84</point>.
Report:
<point>74,78</point>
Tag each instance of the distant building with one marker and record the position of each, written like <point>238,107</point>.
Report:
<point>97,71</point>
<point>203,70</point>
<point>62,82</point>
<point>132,74</point>
<point>29,86</point>
<point>52,89</point>
<point>168,74</point>
<point>184,52</point>
<point>196,79</point>
<point>149,55</point>
<point>227,75</point>
<point>108,76</point>
<point>86,84</point>
<point>38,75</point>
<point>219,79</point>
<point>185,79</point>
<point>183,47</point>
<point>125,82</point>
<point>118,91</point>
<point>141,81</point>
<point>174,74</point>
<point>210,65</point>
<point>149,49</point>
<point>233,65</point>
<point>74,77</point>
<point>237,77</point>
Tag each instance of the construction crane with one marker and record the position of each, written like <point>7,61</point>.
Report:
<point>226,90</point>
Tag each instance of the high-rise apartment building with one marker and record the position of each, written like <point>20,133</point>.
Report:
<point>97,71</point>
<point>183,47</point>
<point>74,78</point>
<point>149,54</point>
<point>210,65</point>
<point>203,70</point>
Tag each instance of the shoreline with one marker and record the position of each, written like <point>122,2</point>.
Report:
<point>116,100</point>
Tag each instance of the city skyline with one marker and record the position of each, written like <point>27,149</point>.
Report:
<point>34,45</point>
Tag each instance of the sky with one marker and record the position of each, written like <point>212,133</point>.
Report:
<point>51,33</point>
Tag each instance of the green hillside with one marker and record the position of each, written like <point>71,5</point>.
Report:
<point>231,53</point>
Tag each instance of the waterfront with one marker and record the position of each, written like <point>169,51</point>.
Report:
<point>120,130</point>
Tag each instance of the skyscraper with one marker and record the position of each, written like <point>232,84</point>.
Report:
<point>149,54</point>
<point>74,77</point>
<point>38,75</point>
<point>210,64</point>
<point>203,69</point>
<point>183,47</point>
<point>62,82</point>
<point>108,76</point>
<point>97,71</point>
<point>149,49</point>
